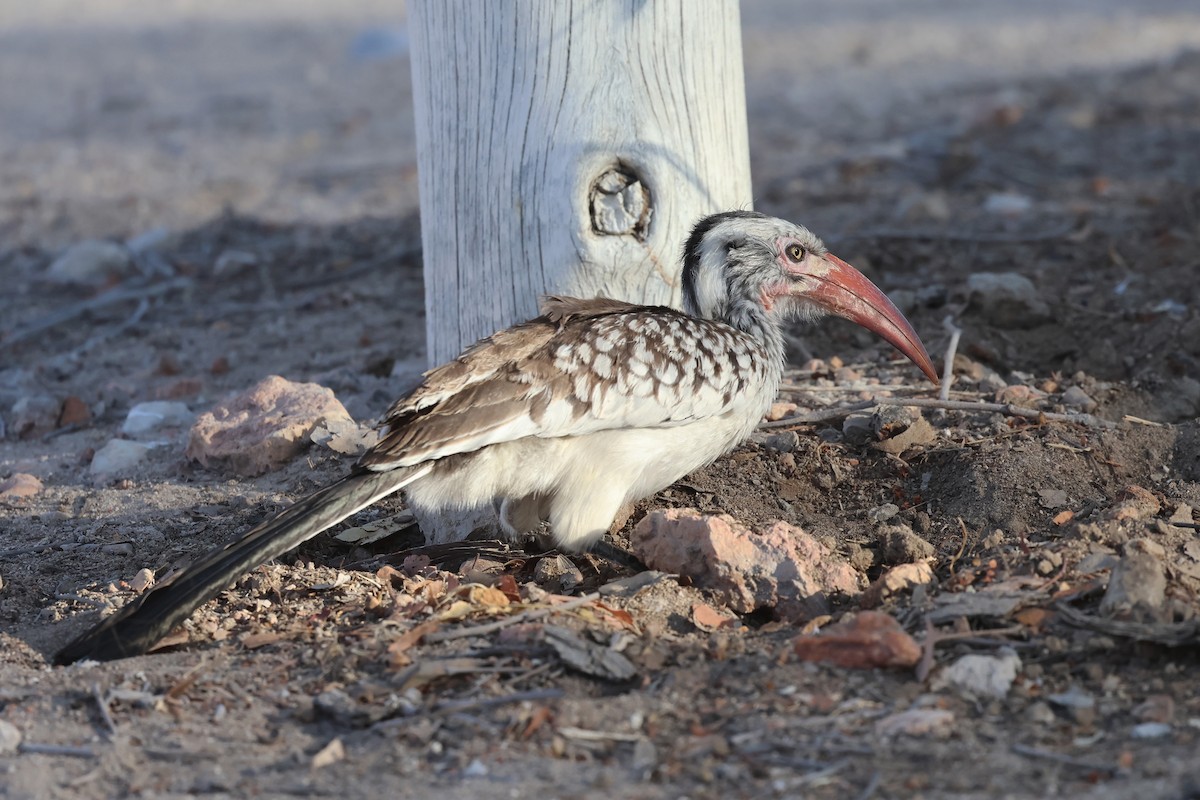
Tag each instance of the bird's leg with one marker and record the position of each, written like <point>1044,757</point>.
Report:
<point>524,518</point>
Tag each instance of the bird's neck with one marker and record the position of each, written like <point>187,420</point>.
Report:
<point>755,321</point>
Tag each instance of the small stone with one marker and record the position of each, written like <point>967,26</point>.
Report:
<point>156,414</point>
<point>1008,204</point>
<point>10,738</point>
<point>73,412</point>
<point>871,639</point>
<point>858,428</point>
<point>1150,730</point>
<point>1078,398</point>
<point>19,484</point>
<point>331,753</point>
<point>901,545</point>
<point>1079,705</point>
<point>898,579</point>
<point>846,375</point>
<point>142,581</point>
<point>262,428</point>
<point>780,567</point>
<point>476,769</point>
<point>1137,587</point>
<point>1052,498</point>
<point>883,513</point>
<point>344,435</point>
<point>1040,713</point>
<point>981,676</point>
<point>781,411</point>
<point>118,457</point>
<point>1137,503</point>
<point>92,262</point>
<point>934,723</point>
<point>785,442</point>
<point>34,414</point>
<point>557,573</point>
<point>1007,299</point>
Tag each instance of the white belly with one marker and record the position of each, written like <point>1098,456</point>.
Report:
<point>582,481</point>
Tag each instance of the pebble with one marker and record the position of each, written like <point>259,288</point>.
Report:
<point>1137,585</point>
<point>1009,204</point>
<point>779,567</point>
<point>92,262</point>
<point>1052,498</point>
<point>869,640</point>
<point>932,722</point>
<point>785,442</point>
<point>262,428</point>
<point>1007,299</point>
<point>146,417</point>
<point>557,573</point>
<point>19,484</point>
<point>1040,713</point>
<point>10,738</point>
<point>117,457</point>
<point>901,545</point>
<point>982,676</point>
<point>1079,705</point>
<point>34,413</point>
<point>142,581</point>
<point>1078,398</point>
<point>331,753</point>
<point>1150,730</point>
<point>884,512</point>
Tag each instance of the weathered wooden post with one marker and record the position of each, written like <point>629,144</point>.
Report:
<point>568,147</point>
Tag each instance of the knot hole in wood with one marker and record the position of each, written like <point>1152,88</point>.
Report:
<point>620,204</point>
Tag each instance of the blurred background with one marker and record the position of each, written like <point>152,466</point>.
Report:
<point>121,116</point>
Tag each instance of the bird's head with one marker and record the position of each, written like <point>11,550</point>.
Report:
<point>751,270</point>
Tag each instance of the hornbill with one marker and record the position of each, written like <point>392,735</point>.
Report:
<point>567,417</point>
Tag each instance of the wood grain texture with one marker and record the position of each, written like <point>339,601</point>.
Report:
<point>533,119</point>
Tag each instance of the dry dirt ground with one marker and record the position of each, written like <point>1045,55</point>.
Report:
<point>308,679</point>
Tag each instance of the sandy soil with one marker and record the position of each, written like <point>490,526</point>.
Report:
<point>283,131</point>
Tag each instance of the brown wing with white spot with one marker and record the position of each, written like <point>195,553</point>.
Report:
<point>582,367</point>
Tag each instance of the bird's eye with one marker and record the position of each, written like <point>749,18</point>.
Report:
<point>795,252</point>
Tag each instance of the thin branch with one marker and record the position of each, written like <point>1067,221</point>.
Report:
<point>105,715</point>
<point>1062,758</point>
<point>948,361</point>
<point>57,750</point>
<point>67,313</point>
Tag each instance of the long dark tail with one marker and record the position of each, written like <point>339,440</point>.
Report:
<point>140,625</point>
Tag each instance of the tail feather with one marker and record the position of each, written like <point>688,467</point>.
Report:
<point>140,625</point>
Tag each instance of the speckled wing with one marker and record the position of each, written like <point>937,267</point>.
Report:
<point>581,367</point>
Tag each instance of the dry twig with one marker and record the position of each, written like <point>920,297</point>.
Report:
<point>105,715</point>
<point>67,313</point>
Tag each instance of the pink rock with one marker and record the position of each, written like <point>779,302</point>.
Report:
<point>19,484</point>
<point>262,428</point>
<point>780,410</point>
<point>781,567</point>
